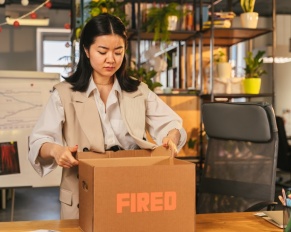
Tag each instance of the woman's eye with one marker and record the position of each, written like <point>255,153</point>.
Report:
<point>118,53</point>
<point>102,53</point>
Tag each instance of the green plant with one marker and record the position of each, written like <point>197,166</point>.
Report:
<point>248,5</point>
<point>145,76</point>
<point>196,139</point>
<point>157,20</point>
<point>220,56</point>
<point>254,65</point>
<point>191,143</point>
<point>96,7</point>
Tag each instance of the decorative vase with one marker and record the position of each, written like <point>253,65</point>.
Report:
<point>224,70</point>
<point>252,85</point>
<point>249,19</point>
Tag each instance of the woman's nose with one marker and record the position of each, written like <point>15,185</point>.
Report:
<point>110,57</point>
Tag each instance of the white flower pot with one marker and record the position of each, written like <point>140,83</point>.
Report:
<point>172,22</point>
<point>249,19</point>
<point>223,70</point>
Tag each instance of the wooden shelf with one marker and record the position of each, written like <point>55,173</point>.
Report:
<point>222,36</point>
<point>174,35</point>
<point>230,36</point>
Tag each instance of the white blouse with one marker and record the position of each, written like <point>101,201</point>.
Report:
<point>49,126</point>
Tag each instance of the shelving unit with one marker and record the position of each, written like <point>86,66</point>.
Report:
<point>197,39</point>
<point>227,37</point>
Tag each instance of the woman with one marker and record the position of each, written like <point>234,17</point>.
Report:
<point>99,108</point>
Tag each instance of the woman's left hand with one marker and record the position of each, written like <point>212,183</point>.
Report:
<point>169,144</point>
<point>171,141</point>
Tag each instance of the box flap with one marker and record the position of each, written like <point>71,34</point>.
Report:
<point>134,161</point>
<point>159,151</point>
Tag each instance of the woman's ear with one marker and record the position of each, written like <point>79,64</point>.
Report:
<point>86,51</point>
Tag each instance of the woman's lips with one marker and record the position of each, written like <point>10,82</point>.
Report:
<point>109,68</point>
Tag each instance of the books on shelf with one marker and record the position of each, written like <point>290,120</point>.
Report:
<point>186,22</point>
<point>217,24</point>
<point>220,20</point>
<point>224,15</point>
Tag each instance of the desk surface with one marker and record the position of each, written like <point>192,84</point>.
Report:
<point>221,222</point>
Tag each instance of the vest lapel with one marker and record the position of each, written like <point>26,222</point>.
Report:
<point>89,119</point>
<point>133,108</point>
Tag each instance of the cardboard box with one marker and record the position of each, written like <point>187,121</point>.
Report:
<point>139,192</point>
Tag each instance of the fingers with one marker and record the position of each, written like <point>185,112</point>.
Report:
<point>66,158</point>
<point>65,164</point>
<point>72,157</point>
<point>168,143</point>
<point>73,151</point>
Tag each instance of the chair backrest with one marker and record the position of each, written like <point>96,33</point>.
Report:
<point>240,162</point>
<point>284,149</point>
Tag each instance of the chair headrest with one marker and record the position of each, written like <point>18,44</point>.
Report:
<point>248,121</point>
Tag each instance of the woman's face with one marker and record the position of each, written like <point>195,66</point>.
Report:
<point>106,55</point>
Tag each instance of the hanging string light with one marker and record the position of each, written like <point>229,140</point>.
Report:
<point>32,13</point>
<point>24,2</point>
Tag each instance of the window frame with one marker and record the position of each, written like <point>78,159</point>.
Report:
<point>41,35</point>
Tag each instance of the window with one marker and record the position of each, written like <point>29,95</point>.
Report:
<point>54,50</point>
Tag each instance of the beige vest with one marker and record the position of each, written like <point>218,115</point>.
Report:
<point>82,127</point>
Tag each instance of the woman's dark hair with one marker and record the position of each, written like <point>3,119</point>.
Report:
<point>103,24</point>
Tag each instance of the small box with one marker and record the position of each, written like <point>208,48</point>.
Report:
<point>142,191</point>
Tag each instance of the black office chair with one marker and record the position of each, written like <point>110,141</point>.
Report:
<point>284,154</point>
<point>241,159</point>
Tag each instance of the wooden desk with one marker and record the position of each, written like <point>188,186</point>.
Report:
<point>221,222</point>
<point>233,222</point>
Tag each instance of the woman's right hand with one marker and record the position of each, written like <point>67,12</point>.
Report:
<point>64,156</point>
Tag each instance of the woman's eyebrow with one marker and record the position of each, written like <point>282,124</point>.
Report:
<point>103,47</point>
<point>118,47</point>
<point>108,48</point>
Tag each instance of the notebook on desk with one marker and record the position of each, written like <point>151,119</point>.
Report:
<point>275,217</point>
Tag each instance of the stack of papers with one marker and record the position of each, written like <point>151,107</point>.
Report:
<point>220,20</point>
<point>217,24</point>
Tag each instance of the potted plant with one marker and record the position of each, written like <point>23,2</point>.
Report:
<point>96,7</point>
<point>249,19</point>
<point>253,72</point>
<point>223,67</point>
<point>144,75</point>
<point>160,18</point>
